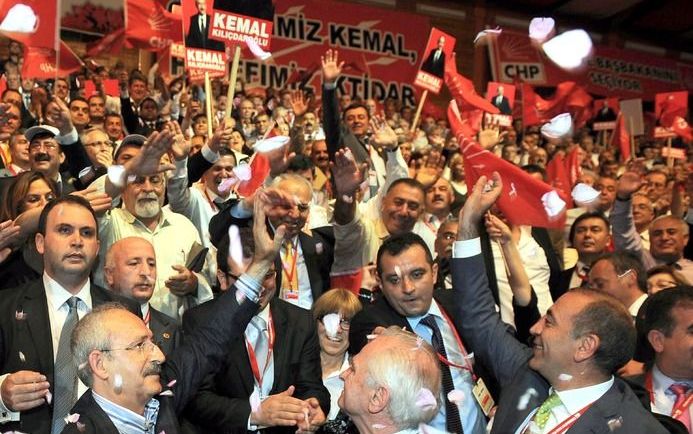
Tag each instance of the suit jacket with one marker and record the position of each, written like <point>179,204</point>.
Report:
<point>637,384</point>
<point>222,404</point>
<point>263,9</point>
<point>197,37</point>
<point>166,331</point>
<point>504,105</point>
<point>337,135</point>
<point>562,283</point>
<point>31,337</point>
<point>496,347</point>
<point>435,67</point>
<point>188,365</point>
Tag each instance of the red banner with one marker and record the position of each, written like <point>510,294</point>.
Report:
<point>149,26</point>
<point>431,73</point>
<point>20,14</point>
<point>610,71</point>
<point>40,62</point>
<point>382,46</point>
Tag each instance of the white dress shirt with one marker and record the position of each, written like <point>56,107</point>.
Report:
<point>335,385</point>
<point>664,399</point>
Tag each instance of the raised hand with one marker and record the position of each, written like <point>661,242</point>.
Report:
<point>100,202</point>
<point>627,184</point>
<point>266,247</point>
<point>9,233</point>
<point>180,148</point>
<point>299,102</point>
<point>58,115</point>
<point>489,137</point>
<point>383,135</point>
<point>497,230</point>
<point>346,173</point>
<point>331,66</point>
<point>484,195</point>
<point>148,161</point>
<point>222,136</point>
<point>182,283</point>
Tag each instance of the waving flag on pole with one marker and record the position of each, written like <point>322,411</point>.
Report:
<point>34,23</point>
<point>40,63</point>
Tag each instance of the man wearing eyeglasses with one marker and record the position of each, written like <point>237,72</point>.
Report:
<point>175,239</point>
<point>621,275</point>
<point>99,149</point>
<point>271,380</point>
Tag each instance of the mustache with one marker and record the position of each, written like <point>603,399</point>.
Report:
<point>153,369</point>
<point>42,157</point>
<point>147,196</point>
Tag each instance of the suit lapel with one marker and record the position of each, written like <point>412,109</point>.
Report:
<point>310,258</point>
<point>280,353</point>
<point>35,306</point>
<point>601,413</point>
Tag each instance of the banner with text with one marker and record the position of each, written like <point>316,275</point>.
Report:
<point>202,54</point>
<point>380,48</point>
<point>610,71</point>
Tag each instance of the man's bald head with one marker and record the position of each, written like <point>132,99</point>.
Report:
<point>130,268</point>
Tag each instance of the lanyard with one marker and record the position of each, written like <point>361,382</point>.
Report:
<point>253,359</point>
<point>147,317</point>
<point>677,410</point>
<point>291,272</point>
<point>468,364</point>
<point>570,421</point>
<point>209,199</point>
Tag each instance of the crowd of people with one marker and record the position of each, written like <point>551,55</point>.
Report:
<point>361,285</point>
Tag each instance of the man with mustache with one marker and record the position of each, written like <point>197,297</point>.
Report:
<point>38,383</point>
<point>130,270</point>
<point>175,239</point>
<point>439,197</point>
<point>127,371</point>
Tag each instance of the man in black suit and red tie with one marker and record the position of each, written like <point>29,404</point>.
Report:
<point>199,28</point>
<point>435,62</point>
<point>502,102</point>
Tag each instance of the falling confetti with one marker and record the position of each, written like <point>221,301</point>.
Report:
<point>565,377</point>
<point>82,366</point>
<point>425,399</point>
<point>331,322</point>
<point>257,51</point>
<point>584,195</point>
<point>541,29</point>
<point>171,383</point>
<point>525,398</point>
<point>570,49</point>
<point>271,144</point>
<point>243,171</point>
<point>615,423</point>
<point>378,426</point>
<point>371,337</point>
<point>419,343</point>
<point>553,204</point>
<point>227,184</point>
<point>20,315</point>
<point>456,396</point>
<point>22,358</point>
<point>72,418</point>
<point>49,397</point>
<point>559,127</point>
<point>166,393</point>
<point>118,383</point>
<point>482,35</point>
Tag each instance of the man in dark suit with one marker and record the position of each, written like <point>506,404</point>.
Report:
<point>263,9</point>
<point>502,102</point>
<point>406,273</point>
<point>198,30</point>
<point>566,381</point>
<point>37,319</point>
<point>130,270</point>
<point>272,375</point>
<point>126,370</point>
<point>435,62</point>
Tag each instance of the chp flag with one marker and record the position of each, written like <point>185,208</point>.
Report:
<point>431,73</point>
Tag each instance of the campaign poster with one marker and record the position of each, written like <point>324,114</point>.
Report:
<point>235,20</point>
<point>201,53</point>
<point>431,73</point>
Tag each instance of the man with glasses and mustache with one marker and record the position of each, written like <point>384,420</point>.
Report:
<point>134,387</point>
<point>175,239</point>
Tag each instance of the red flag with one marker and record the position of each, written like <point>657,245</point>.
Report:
<point>681,127</point>
<point>41,62</point>
<point>557,175</point>
<point>579,104</point>
<point>259,166</point>
<point>537,110</point>
<point>572,166</point>
<point>621,138</point>
<point>431,109</point>
<point>462,90</point>
<point>45,34</point>
<point>112,43</point>
<point>151,27</point>
<point>521,199</point>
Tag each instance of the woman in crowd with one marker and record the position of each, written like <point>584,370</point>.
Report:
<point>663,277</point>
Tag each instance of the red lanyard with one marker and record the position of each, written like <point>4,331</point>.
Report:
<point>677,410</point>
<point>209,199</point>
<point>147,317</point>
<point>253,359</point>
<point>292,271</point>
<point>465,356</point>
<point>570,421</point>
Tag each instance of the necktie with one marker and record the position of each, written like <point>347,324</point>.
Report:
<point>452,414</point>
<point>202,23</point>
<point>583,274</point>
<point>290,279</point>
<point>261,346</point>
<point>681,391</point>
<point>65,371</point>
<point>541,417</point>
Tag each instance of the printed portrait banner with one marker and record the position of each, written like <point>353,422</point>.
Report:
<point>502,96</point>
<point>201,53</point>
<point>235,20</point>
<point>610,71</point>
<point>380,49</point>
<point>431,73</point>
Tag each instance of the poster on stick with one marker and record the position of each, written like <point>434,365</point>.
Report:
<point>431,73</point>
<point>235,20</point>
<point>201,52</point>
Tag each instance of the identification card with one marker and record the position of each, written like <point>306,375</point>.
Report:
<point>483,396</point>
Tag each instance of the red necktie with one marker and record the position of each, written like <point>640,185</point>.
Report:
<point>682,392</point>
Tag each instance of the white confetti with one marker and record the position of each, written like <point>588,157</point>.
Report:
<point>584,195</point>
<point>559,127</point>
<point>255,402</point>
<point>171,383</point>
<point>271,144</point>
<point>166,393</point>
<point>117,383</point>
<point>49,397</point>
<point>227,184</point>
<point>331,322</point>
<point>541,29</point>
<point>72,418</point>
<point>553,204</point>
<point>82,366</point>
<point>257,51</point>
<point>398,271</point>
<point>565,377</point>
<point>456,396</point>
<point>524,399</point>
<point>378,426</point>
<point>371,337</point>
<point>22,358</point>
<point>243,172</point>
<point>615,423</point>
<point>20,315</point>
<point>425,399</point>
<point>488,32</point>
<point>419,343</point>
<point>20,18</point>
<point>570,49</point>
<point>235,245</point>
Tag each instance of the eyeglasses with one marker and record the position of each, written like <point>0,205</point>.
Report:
<point>155,180</point>
<point>269,275</point>
<point>100,144</point>
<point>144,347</point>
<point>343,323</point>
<point>48,144</point>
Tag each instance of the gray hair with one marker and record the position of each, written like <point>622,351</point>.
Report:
<point>682,224</point>
<point>90,335</point>
<point>405,369</point>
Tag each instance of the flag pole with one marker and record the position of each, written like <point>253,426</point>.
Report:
<point>611,140</point>
<point>208,106</point>
<point>670,158</point>
<point>418,111</point>
<point>233,76</point>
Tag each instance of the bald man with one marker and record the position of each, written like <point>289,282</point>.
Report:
<point>130,270</point>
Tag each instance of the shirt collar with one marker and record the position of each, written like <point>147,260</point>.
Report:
<point>57,295</point>
<point>130,218</point>
<point>127,421</point>
<point>432,310</point>
<point>635,307</point>
<point>661,382</point>
<point>575,400</point>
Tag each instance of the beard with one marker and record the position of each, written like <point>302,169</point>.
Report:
<point>147,207</point>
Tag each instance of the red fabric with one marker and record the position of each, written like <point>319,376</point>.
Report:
<point>40,63</point>
<point>569,97</point>
<point>260,168</point>
<point>672,105</point>
<point>348,280</point>
<point>46,34</point>
<point>302,77</point>
<point>557,176</point>
<point>681,127</point>
<point>149,26</point>
<point>572,166</point>
<point>111,43</point>
<point>462,90</point>
<point>520,200</point>
<point>621,138</point>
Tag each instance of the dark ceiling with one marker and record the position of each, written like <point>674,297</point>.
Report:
<point>666,23</point>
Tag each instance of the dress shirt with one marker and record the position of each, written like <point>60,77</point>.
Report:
<point>268,375</point>
<point>58,309</point>
<point>471,415</point>
<point>664,399</point>
<point>335,385</point>
<point>575,279</point>
<point>305,294</point>
<point>572,401</point>
<point>172,239</point>
<point>127,421</point>
<point>536,267</point>
<point>635,307</point>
